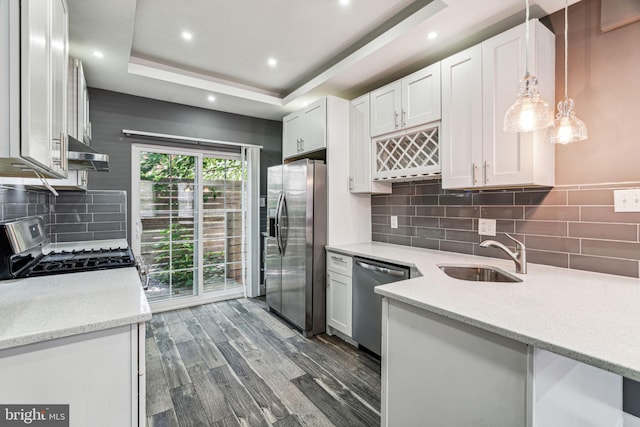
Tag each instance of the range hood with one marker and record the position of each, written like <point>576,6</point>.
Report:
<point>83,157</point>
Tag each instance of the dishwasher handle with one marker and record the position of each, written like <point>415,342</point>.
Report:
<point>385,270</point>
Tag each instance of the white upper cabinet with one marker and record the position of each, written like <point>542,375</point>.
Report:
<point>411,101</point>
<point>34,39</point>
<point>360,150</point>
<point>478,87</point>
<point>305,131</point>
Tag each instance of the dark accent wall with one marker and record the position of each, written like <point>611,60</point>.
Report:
<point>111,112</point>
<point>567,226</point>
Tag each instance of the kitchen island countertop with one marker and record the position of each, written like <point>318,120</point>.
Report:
<point>589,317</point>
<point>48,307</point>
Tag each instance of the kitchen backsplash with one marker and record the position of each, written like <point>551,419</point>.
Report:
<point>71,216</point>
<point>565,226</point>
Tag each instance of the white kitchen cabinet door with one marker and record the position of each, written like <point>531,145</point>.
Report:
<point>461,134</point>
<point>291,134</point>
<point>314,135</point>
<point>385,108</point>
<point>36,82</point>
<point>360,159</point>
<point>339,300</point>
<point>476,152</point>
<point>515,158</point>
<point>59,70</point>
<point>90,372</point>
<point>421,97</point>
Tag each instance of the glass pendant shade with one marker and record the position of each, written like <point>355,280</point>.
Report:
<point>566,127</point>
<point>529,112</point>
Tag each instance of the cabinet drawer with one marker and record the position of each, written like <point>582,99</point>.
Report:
<point>339,263</point>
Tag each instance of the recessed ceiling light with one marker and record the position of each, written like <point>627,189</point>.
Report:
<point>344,2</point>
<point>98,54</point>
<point>187,35</point>
<point>211,98</point>
<point>272,62</point>
<point>432,35</point>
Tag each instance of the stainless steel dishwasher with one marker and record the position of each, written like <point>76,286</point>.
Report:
<point>367,305</point>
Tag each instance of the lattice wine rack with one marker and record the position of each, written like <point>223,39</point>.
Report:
<point>407,156</point>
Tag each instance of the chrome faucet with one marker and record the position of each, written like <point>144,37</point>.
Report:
<point>519,256</point>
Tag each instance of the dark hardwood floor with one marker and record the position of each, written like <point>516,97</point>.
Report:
<point>233,363</point>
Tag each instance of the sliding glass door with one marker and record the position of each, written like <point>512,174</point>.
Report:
<point>189,214</point>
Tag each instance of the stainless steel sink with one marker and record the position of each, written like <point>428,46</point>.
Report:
<point>478,273</point>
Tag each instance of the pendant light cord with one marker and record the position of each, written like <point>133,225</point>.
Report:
<point>566,49</point>
<point>526,46</point>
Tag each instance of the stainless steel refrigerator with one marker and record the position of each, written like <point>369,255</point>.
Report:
<point>296,227</point>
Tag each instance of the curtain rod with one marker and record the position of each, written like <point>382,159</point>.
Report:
<point>129,132</point>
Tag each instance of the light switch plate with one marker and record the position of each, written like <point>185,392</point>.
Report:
<point>626,200</point>
<point>394,222</point>
<point>487,227</point>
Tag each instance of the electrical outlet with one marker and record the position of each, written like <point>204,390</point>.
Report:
<point>487,227</point>
<point>263,201</point>
<point>394,222</point>
<point>626,200</point>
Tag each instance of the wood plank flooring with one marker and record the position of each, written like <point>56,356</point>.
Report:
<point>234,363</point>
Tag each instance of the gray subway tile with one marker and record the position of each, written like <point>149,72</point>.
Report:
<point>376,219</point>
<point>493,198</point>
<point>400,240</point>
<point>554,244</point>
<point>430,233</point>
<point>462,236</point>
<point>402,190</point>
<point>502,212</point>
<point>73,237</point>
<point>606,214</point>
<point>403,220</point>
<point>399,200</point>
<point>71,218</point>
<point>424,221</point>
<point>430,211</point>
<point>457,223</point>
<point>555,259</point>
<point>552,213</point>
<point>425,243</point>
<point>504,226</point>
<point>426,189</point>
<point>605,231</point>
<point>117,197</point>
<point>403,210</point>
<point>377,237</point>
<point>68,228</point>
<point>591,197</point>
<point>104,226</point>
<point>626,250</point>
<point>380,210</point>
<point>381,229</point>
<point>106,208</point>
<point>378,200</point>
<point>16,196</point>
<point>621,267</point>
<point>459,199</point>
<point>545,228</point>
<point>75,208</point>
<point>103,235</point>
<point>15,210</point>
<point>73,198</point>
<point>463,248</point>
<point>429,200</point>
<point>489,252</point>
<point>403,231</point>
<point>537,198</point>
<point>107,217</point>
<point>462,212</point>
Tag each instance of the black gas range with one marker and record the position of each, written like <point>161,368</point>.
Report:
<point>21,253</point>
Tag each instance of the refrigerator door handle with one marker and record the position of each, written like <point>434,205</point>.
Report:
<point>283,223</point>
<point>277,222</point>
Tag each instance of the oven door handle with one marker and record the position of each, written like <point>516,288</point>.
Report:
<point>385,270</point>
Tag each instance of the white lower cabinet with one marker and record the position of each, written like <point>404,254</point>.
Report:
<point>98,374</point>
<point>339,293</point>
<point>441,372</point>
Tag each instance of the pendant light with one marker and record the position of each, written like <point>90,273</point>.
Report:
<point>566,127</point>
<point>529,112</point>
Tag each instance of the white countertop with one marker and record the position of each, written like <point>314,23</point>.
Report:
<point>48,307</point>
<point>590,317</point>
